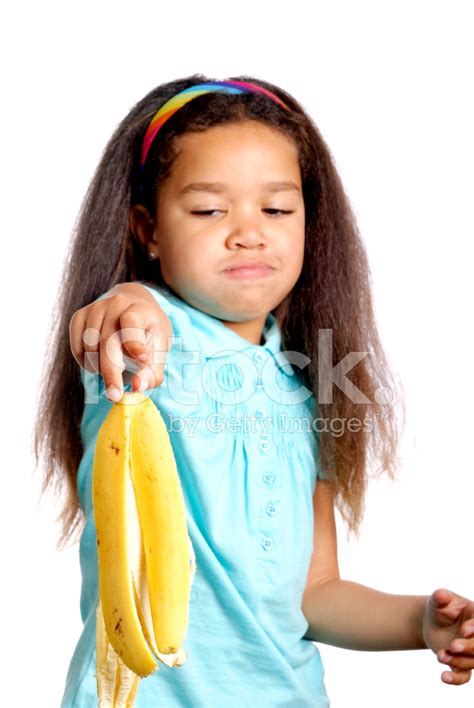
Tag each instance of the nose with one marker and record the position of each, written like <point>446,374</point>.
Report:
<point>246,231</point>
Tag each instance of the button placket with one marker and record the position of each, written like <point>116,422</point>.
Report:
<point>269,533</point>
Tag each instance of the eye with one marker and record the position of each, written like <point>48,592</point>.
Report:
<point>279,211</point>
<point>206,212</point>
<point>271,211</point>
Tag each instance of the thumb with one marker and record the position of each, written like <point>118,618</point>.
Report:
<point>441,597</point>
<point>444,610</point>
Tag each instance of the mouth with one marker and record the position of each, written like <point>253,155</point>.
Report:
<point>248,268</point>
<point>250,272</point>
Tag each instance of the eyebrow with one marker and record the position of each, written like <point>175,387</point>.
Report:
<point>218,187</point>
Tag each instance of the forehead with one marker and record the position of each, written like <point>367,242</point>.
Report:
<point>237,149</point>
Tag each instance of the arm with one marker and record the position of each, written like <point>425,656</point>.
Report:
<point>133,288</point>
<point>347,614</point>
<point>353,616</point>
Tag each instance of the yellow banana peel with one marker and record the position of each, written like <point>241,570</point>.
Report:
<point>117,685</point>
<point>145,556</point>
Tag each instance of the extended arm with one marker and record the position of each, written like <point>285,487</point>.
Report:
<point>128,318</point>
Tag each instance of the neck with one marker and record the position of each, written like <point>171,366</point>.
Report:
<point>251,331</point>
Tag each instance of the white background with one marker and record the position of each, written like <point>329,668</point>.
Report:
<point>389,85</point>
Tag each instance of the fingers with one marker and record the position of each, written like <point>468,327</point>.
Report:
<point>112,363</point>
<point>456,677</point>
<point>76,328</point>
<point>99,347</point>
<point>137,326</point>
<point>460,657</point>
<point>84,337</point>
<point>458,661</point>
<point>100,332</point>
<point>151,373</point>
<point>146,336</point>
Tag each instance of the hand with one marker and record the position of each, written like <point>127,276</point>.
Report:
<point>131,319</point>
<point>448,619</point>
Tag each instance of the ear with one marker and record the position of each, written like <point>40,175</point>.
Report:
<point>143,227</point>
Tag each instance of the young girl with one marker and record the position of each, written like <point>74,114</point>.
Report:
<point>217,265</point>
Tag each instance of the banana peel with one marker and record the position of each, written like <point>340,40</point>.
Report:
<point>145,555</point>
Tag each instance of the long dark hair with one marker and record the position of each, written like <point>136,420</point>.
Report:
<point>333,292</point>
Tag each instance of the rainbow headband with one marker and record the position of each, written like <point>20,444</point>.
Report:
<point>180,99</point>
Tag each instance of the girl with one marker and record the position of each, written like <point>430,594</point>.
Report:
<point>217,265</point>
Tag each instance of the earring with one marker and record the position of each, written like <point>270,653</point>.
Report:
<point>151,255</point>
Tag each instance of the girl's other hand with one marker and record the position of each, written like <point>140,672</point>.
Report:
<point>128,319</point>
<point>448,630</point>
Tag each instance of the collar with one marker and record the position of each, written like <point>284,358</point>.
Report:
<point>215,339</point>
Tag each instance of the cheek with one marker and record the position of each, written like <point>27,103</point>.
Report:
<point>293,247</point>
<point>186,256</point>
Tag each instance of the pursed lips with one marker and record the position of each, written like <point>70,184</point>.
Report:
<point>248,264</point>
<point>249,270</point>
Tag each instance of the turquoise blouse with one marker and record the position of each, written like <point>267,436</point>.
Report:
<point>240,424</point>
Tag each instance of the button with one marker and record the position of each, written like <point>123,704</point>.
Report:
<point>268,477</point>
<point>267,542</point>
<point>271,509</point>
<point>261,413</point>
<point>259,356</point>
<point>264,445</point>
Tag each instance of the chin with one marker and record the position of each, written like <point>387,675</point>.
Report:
<point>240,313</point>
